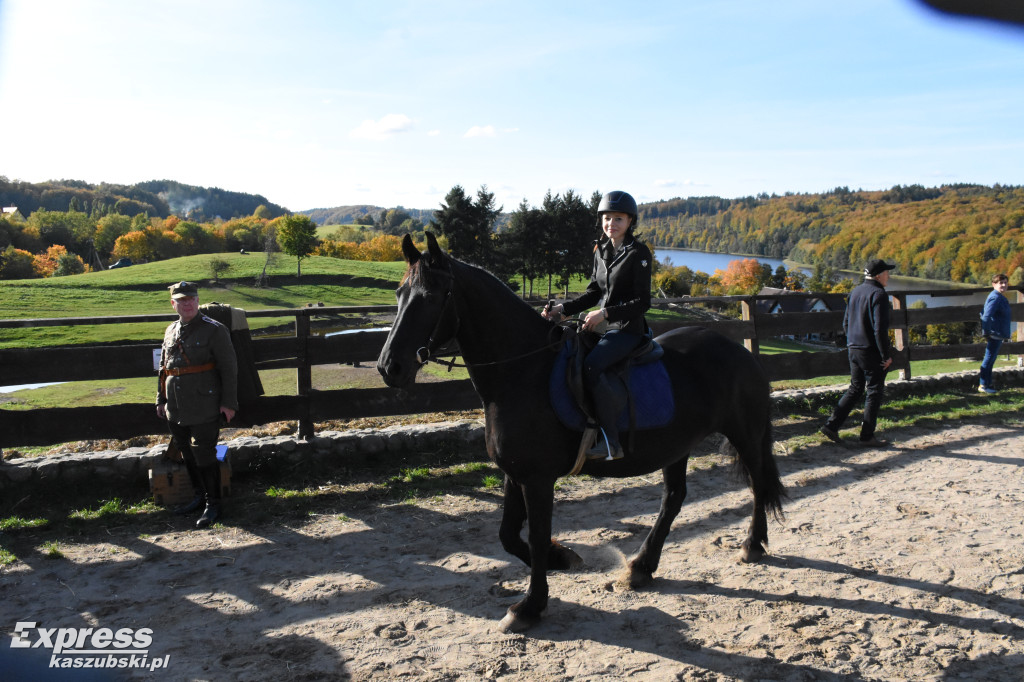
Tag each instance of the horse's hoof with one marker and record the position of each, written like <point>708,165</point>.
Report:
<point>561,558</point>
<point>635,577</point>
<point>513,622</point>
<point>751,554</point>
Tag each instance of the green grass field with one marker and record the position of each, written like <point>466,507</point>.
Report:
<point>142,290</point>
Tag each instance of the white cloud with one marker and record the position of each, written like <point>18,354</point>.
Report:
<point>488,131</point>
<point>481,131</point>
<point>434,133</point>
<point>389,126</point>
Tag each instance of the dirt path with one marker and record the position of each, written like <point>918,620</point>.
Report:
<point>906,563</point>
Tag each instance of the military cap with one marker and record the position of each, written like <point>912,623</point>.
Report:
<point>184,289</point>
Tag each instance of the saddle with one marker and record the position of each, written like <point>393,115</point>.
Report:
<point>644,385</point>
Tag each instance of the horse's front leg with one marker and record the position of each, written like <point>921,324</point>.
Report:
<point>539,502</point>
<point>513,516</point>
<point>640,570</point>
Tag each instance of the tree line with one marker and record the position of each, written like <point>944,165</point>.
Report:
<point>157,198</point>
<point>959,233</point>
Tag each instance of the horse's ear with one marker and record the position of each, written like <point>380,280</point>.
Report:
<point>437,256</point>
<point>409,250</point>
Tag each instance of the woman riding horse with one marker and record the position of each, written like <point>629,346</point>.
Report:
<point>620,287</point>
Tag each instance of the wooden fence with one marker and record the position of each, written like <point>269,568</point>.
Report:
<point>306,349</point>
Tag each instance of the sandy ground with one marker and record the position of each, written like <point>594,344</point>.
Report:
<point>897,564</point>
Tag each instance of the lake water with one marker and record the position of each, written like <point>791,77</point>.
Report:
<point>709,262</point>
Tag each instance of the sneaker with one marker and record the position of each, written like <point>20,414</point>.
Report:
<point>874,442</point>
<point>831,434</point>
<point>986,389</point>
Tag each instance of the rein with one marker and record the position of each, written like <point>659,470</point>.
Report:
<point>429,353</point>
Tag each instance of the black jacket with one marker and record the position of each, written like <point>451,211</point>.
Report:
<point>621,284</point>
<point>866,322</point>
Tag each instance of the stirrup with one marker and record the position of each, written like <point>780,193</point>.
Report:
<point>603,450</point>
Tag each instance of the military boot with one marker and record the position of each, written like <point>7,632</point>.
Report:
<point>197,485</point>
<point>211,485</point>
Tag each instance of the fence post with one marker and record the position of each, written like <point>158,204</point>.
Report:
<point>1020,328</point>
<point>902,332</point>
<point>750,315</point>
<point>304,375</point>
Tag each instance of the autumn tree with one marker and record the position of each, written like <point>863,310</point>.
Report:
<point>134,245</point>
<point>108,229</point>
<point>16,264</point>
<point>744,276</point>
<point>296,234</point>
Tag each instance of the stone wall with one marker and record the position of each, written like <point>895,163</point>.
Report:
<point>131,466</point>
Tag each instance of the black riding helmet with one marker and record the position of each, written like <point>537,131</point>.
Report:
<point>617,202</point>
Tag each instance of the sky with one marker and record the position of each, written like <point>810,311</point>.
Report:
<point>316,104</point>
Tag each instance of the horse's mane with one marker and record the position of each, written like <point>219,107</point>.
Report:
<point>489,280</point>
<point>471,278</point>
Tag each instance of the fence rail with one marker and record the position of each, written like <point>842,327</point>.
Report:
<point>305,350</point>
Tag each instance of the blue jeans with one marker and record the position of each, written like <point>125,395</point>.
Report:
<point>991,353</point>
<point>613,347</point>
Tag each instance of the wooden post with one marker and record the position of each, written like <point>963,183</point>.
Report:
<point>902,332</point>
<point>304,375</point>
<point>1020,328</point>
<point>750,315</point>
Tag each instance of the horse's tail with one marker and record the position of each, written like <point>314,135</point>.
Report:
<point>772,490</point>
<point>761,474</point>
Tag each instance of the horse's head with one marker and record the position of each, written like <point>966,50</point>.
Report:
<point>426,314</point>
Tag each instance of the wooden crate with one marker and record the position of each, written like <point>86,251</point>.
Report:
<point>171,486</point>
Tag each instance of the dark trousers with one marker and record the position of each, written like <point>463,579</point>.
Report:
<point>198,441</point>
<point>867,378</point>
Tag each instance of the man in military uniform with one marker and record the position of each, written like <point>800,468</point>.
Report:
<point>198,379</point>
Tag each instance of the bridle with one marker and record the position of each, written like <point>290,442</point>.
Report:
<point>432,351</point>
<point>427,353</point>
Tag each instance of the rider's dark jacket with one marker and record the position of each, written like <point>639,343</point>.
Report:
<point>620,283</point>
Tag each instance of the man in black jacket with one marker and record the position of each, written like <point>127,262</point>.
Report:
<point>866,324</point>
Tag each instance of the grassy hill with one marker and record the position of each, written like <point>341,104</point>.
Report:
<point>142,290</point>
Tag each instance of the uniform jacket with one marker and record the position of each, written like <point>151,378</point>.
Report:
<point>197,398</point>
<point>867,318</point>
<point>995,318</point>
<point>621,284</point>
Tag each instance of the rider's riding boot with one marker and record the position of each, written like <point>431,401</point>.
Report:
<point>607,404</point>
<point>211,484</point>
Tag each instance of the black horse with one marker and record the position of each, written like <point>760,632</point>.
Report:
<point>718,387</point>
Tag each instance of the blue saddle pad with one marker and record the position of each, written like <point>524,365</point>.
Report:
<point>653,403</point>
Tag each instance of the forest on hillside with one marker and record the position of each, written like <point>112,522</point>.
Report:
<point>155,198</point>
<point>362,214</point>
<point>960,233</point>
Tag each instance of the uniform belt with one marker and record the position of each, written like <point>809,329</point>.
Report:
<point>189,369</point>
